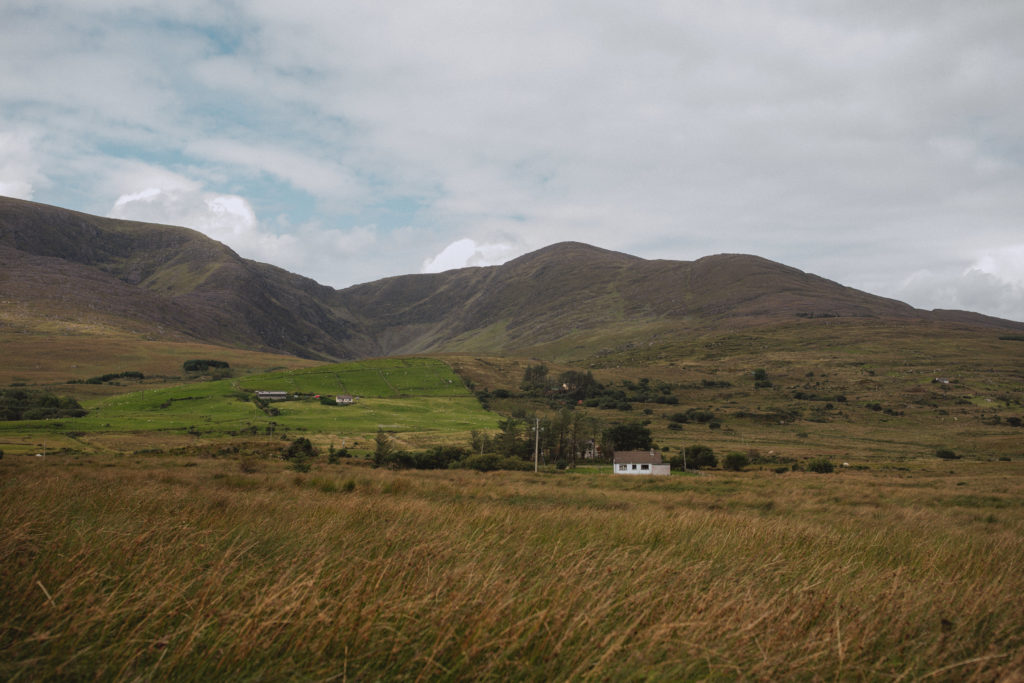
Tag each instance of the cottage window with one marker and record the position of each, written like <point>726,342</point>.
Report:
<point>634,467</point>
<point>622,468</point>
<point>645,467</point>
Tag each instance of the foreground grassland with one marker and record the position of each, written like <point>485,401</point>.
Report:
<point>197,568</point>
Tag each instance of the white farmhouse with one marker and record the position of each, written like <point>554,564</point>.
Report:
<point>639,462</point>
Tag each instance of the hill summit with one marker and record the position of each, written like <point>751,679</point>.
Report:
<point>176,283</point>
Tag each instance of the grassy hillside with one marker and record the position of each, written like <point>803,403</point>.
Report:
<point>421,400</point>
<point>53,358</point>
<point>173,283</point>
<point>199,568</point>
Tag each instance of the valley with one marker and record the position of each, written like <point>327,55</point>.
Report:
<point>178,528</point>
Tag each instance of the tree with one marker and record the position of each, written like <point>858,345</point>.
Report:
<point>579,385</point>
<point>301,448</point>
<point>509,441</point>
<point>735,461</point>
<point>695,457</point>
<point>535,378</point>
<point>629,436</point>
<point>384,449</point>
<point>299,453</point>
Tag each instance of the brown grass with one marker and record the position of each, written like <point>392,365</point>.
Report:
<point>157,567</point>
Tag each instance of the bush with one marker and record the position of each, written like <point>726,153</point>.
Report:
<point>946,454</point>
<point>203,365</point>
<point>301,448</point>
<point>491,462</point>
<point>299,465</point>
<point>735,461</point>
<point>821,466</point>
<point>696,457</point>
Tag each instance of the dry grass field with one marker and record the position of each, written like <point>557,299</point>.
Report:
<point>200,568</point>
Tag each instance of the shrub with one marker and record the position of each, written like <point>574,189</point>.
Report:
<point>946,454</point>
<point>299,465</point>
<point>698,456</point>
<point>249,465</point>
<point>735,461</point>
<point>299,449</point>
<point>821,466</point>
<point>490,462</point>
<point>203,365</point>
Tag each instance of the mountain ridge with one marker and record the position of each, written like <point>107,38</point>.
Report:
<point>178,282</point>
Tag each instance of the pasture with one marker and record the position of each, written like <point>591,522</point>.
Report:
<point>420,400</point>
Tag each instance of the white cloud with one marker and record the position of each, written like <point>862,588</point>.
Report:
<point>318,176</point>
<point>992,284</point>
<point>466,252</point>
<point>19,168</point>
<point>225,218</point>
<point>324,254</point>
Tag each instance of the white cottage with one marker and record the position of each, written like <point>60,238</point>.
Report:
<point>639,462</point>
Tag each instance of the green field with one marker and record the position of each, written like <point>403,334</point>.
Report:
<point>418,399</point>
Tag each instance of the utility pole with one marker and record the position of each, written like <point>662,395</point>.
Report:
<point>684,457</point>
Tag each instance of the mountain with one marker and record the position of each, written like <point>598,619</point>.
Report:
<point>75,269</point>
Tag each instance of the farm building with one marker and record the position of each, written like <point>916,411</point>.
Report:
<point>344,400</point>
<point>639,462</point>
<point>272,395</point>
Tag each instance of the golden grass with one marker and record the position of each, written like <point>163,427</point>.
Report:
<point>54,358</point>
<point>159,567</point>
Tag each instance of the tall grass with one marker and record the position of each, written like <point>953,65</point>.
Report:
<point>154,570</point>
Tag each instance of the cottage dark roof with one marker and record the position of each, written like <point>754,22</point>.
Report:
<point>638,457</point>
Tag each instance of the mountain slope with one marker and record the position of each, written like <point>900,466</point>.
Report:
<point>175,282</point>
<point>164,280</point>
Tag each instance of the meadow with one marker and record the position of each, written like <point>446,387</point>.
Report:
<point>199,568</point>
<point>419,399</point>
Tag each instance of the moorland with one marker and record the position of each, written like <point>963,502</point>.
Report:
<point>166,532</point>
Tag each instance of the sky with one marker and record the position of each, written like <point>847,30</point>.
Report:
<point>876,143</point>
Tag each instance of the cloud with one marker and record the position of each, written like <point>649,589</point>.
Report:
<point>160,196</point>
<point>466,252</point>
<point>877,147</point>
<point>319,177</point>
<point>993,284</point>
<point>225,218</point>
<point>19,169</point>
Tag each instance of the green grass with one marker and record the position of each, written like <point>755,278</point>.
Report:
<point>420,398</point>
<point>199,568</point>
